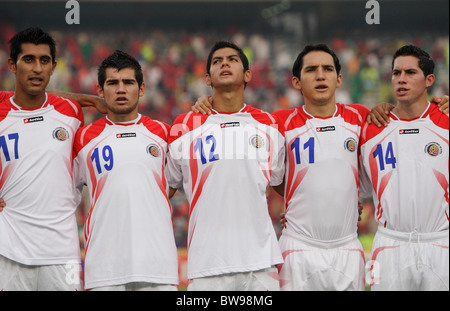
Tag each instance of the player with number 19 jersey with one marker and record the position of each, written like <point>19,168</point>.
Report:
<point>128,233</point>
<point>38,225</point>
<point>225,162</point>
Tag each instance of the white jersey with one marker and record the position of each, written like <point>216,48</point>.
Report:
<point>321,180</point>
<point>38,225</point>
<point>407,164</point>
<point>128,233</point>
<point>225,162</point>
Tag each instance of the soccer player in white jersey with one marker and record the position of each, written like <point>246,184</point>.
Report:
<point>319,242</point>
<point>407,165</point>
<point>129,238</point>
<point>39,246</point>
<point>225,162</point>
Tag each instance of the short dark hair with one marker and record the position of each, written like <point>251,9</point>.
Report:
<point>298,64</point>
<point>426,63</point>
<point>33,35</point>
<point>120,60</point>
<point>226,44</point>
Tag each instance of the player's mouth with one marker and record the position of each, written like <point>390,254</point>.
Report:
<point>121,100</point>
<point>36,81</point>
<point>401,91</point>
<point>225,73</point>
<point>321,88</point>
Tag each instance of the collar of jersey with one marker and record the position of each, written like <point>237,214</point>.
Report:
<point>232,112</point>
<point>17,107</point>
<point>128,123</point>
<point>395,117</point>
<point>317,117</point>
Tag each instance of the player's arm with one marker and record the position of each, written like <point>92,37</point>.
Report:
<point>171,192</point>
<point>279,189</point>
<point>203,105</point>
<point>85,100</point>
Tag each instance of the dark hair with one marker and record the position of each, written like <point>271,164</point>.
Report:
<point>298,64</point>
<point>120,60</point>
<point>225,44</point>
<point>426,63</point>
<point>33,35</point>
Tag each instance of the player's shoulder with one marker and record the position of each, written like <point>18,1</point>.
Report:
<point>439,118</point>
<point>156,127</point>
<point>353,113</point>
<point>260,115</point>
<point>89,132</point>
<point>5,106</point>
<point>369,131</point>
<point>5,95</point>
<point>290,118</point>
<point>65,106</point>
<point>185,123</point>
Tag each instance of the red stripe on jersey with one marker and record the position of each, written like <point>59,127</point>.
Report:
<point>185,123</point>
<point>156,127</point>
<point>442,181</point>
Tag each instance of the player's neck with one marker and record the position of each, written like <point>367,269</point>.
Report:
<point>28,101</point>
<point>321,110</point>
<point>410,110</point>
<point>229,101</point>
<point>122,118</point>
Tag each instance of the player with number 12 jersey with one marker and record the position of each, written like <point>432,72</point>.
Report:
<point>225,162</point>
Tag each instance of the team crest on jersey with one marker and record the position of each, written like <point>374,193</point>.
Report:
<point>154,150</point>
<point>61,134</point>
<point>257,141</point>
<point>350,144</point>
<point>433,149</point>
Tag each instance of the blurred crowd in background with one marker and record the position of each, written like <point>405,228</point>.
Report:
<point>174,67</point>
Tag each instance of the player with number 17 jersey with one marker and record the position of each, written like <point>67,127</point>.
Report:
<point>128,233</point>
<point>38,227</point>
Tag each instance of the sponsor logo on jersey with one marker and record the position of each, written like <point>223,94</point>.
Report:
<point>326,128</point>
<point>229,124</point>
<point>257,141</point>
<point>32,120</point>
<point>350,144</point>
<point>154,150</point>
<point>433,149</point>
<point>408,131</point>
<point>125,135</point>
<point>61,134</point>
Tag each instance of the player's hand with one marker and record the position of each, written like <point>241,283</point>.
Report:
<point>2,204</point>
<point>442,102</point>
<point>360,210</point>
<point>379,114</point>
<point>203,105</point>
<point>283,220</point>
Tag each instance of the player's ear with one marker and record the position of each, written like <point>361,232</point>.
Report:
<point>142,89</point>
<point>208,80</point>
<point>100,91</point>
<point>12,65</point>
<point>429,80</point>
<point>247,76</point>
<point>296,83</point>
<point>339,81</point>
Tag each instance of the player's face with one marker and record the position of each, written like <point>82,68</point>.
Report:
<point>121,93</point>
<point>408,80</point>
<point>318,78</point>
<point>227,70</point>
<point>33,68</point>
